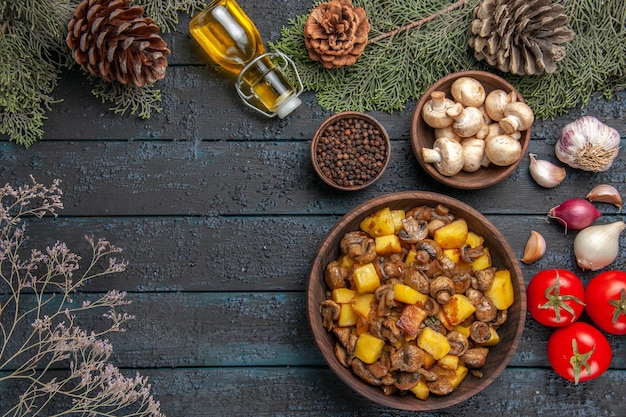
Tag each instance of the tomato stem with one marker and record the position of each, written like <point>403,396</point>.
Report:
<point>620,306</point>
<point>579,360</point>
<point>558,301</point>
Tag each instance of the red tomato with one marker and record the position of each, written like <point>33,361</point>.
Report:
<point>556,297</point>
<point>579,352</point>
<point>605,297</point>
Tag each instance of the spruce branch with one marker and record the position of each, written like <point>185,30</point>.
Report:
<point>428,39</point>
<point>32,41</point>
<point>412,25</point>
<point>140,101</point>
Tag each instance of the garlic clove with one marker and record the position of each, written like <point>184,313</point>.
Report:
<point>605,193</point>
<point>535,248</point>
<point>545,173</point>
<point>596,247</point>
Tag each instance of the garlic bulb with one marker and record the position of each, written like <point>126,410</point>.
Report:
<point>588,144</point>
<point>597,246</point>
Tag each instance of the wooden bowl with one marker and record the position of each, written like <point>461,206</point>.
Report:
<point>375,161</point>
<point>503,257</point>
<point>422,135</point>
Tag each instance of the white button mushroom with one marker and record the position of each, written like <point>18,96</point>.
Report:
<point>434,111</point>
<point>518,116</point>
<point>473,153</point>
<point>467,122</point>
<point>496,102</point>
<point>446,156</point>
<point>468,91</point>
<point>503,150</point>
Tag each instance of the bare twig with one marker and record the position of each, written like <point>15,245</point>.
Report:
<point>5,24</point>
<point>417,23</point>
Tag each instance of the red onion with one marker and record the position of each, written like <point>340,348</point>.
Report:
<point>575,214</point>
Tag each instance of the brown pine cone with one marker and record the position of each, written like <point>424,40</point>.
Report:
<point>520,36</point>
<point>113,40</point>
<point>335,33</point>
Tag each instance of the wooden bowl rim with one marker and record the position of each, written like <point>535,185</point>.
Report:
<point>345,115</point>
<point>463,180</point>
<point>324,340</point>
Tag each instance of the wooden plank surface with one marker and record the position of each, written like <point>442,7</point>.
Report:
<point>219,212</point>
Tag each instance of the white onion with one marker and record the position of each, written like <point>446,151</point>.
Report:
<point>597,246</point>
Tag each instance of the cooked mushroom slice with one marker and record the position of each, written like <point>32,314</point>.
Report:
<point>458,343</point>
<point>335,276</point>
<point>390,330</point>
<point>385,297</point>
<point>462,282</point>
<point>436,324</point>
<point>408,358</point>
<point>431,247</point>
<point>330,313</point>
<point>449,267</point>
<point>441,386</point>
<point>377,369</point>
<point>434,225</point>
<point>391,266</point>
<point>342,355</point>
<point>416,279</point>
<point>407,380</point>
<point>442,213</point>
<point>469,254</point>
<point>413,230</point>
<point>475,357</point>
<point>388,380</point>
<point>342,334</point>
<point>480,332</point>
<point>485,310</point>
<point>347,338</point>
<point>388,389</point>
<point>362,372</point>
<point>500,318</point>
<point>358,245</point>
<point>474,295</point>
<point>431,306</point>
<point>429,376</point>
<point>419,213</point>
<point>441,289</point>
<point>483,279</point>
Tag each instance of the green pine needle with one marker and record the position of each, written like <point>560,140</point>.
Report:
<point>395,70</point>
<point>32,41</point>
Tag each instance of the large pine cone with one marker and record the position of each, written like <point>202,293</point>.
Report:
<point>113,40</point>
<point>520,36</point>
<point>335,33</point>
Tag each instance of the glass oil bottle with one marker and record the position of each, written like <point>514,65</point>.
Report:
<point>233,42</point>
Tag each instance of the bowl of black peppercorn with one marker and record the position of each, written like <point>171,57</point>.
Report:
<point>350,151</point>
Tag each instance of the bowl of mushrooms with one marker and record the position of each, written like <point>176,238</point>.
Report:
<point>471,129</point>
<point>416,301</point>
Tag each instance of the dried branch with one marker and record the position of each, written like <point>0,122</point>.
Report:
<point>39,328</point>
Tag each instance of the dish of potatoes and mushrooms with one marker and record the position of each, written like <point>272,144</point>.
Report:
<point>414,301</point>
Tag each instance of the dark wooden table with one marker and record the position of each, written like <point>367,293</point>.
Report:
<point>220,213</point>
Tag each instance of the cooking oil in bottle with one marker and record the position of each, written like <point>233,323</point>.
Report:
<point>233,42</point>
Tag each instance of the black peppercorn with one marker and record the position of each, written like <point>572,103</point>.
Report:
<point>351,152</point>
